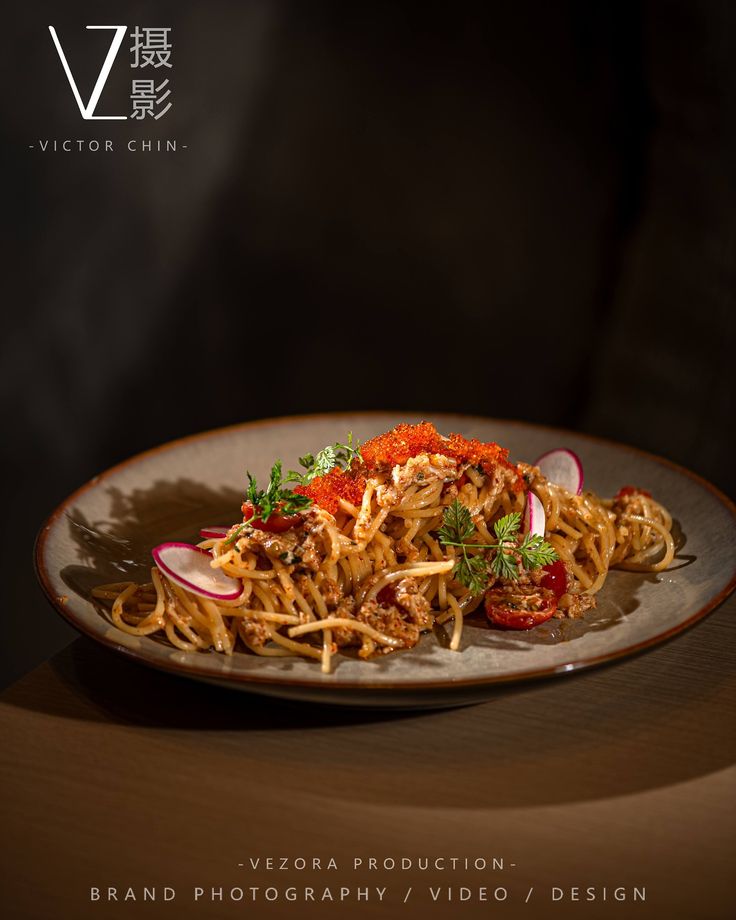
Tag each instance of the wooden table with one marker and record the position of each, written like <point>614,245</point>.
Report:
<point>117,776</point>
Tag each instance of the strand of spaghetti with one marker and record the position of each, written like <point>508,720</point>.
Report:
<point>477,479</point>
<point>420,498</point>
<point>551,503</point>
<point>378,558</point>
<point>411,530</point>
<point>429,525</point>
<point>250,613</point>
<point>417,513</point>
<point>221,637</point>
<point>567,529</point>
<point>257,574</point>
<point>668,541</point>
<point>433,545</point>
<point>291,590</point>
<point>495,501</point>
<point>364,515</point>
<point>337,622</point>
<point>568,558</point>
<point>589,544</point>
<point>151,623</point>
<point>637,549</point>
<point>441,590</point>
<point>265,652</point>
<point>362,564</point>
<point>170,629</point>
<point>662,512</point>
<point>265,595</point>
<point>193,630</point>
<point>220,559</point>
<point>428,588</point>
<point>337,542</point>
<point>386,544</point>
<point>345,576</point>
<point>326,651</point>
<point>367,535</point>
<point>646,515</point>
<point>485,536</point>
<point>472,498</point>
<point>247,590</point>
<point>470,602</point>
<point>458,628</point>
<point>136,625</point>
<point>319,601</point>
<point>348,507</point>
<point>182,622</point>
<point>299,648</point>
<point>287,605</point>
<point>423,568</point>
<point>185,600</point>
<point>409,492</point>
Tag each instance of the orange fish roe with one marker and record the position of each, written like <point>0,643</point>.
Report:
<point>327,490</point>
<point>401,444</point>
<point>406,441</point>
<point>397,447</point>
<point>483,454</point>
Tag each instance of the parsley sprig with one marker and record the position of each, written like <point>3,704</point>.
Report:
<point>273,499</point>
<point>327,459</point>
<point>511,555</point>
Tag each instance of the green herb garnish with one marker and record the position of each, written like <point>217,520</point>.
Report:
<point>327,459</point>
<point>511,555</point>
<point>273,499</point>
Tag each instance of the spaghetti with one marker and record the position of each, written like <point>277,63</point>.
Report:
<point>412,530</point>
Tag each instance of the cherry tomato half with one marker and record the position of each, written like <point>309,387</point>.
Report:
<point>555,578</point>
<point>274,523</point>
<point>501,610</point>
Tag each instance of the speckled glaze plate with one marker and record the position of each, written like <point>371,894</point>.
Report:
<point>104,532</point>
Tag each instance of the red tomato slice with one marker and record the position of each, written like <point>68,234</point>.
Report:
<point>555,578</point>
<point>274,523</point>
<point>502,611</point>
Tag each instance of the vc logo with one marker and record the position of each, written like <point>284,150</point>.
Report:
<point>151,48</point>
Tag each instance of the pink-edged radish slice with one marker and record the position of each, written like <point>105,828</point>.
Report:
<point>534,516</point>
<point>189,566</point>
<point>214,533</point>
<point>563,467</point>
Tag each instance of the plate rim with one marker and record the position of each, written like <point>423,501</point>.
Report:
<point>317,687</point>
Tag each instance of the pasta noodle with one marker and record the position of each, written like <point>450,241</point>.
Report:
<point>366,563</point>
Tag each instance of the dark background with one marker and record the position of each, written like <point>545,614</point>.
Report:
<point>515,209</point>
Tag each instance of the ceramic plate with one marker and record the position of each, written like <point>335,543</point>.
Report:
<point>104,531</point>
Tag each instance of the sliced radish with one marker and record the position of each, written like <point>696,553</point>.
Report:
<point>534,516</point>
<point>563,467</point>
<point>214,533</point>
<point>189,566</point>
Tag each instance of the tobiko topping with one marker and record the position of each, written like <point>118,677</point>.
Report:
<point>398,446</point>
<point>327,490</point>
